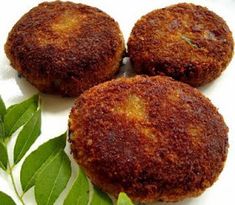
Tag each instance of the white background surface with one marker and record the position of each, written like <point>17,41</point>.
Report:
<point>56,109</point>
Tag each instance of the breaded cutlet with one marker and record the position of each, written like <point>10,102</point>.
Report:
<point>65,48</point>
<point>153,138</point>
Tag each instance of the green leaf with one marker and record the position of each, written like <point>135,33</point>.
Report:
<point>2,113</point>
<point>100,198</point>
<point>79,193</point>
<point>27,136</point>
<point>19,114</point>
<point>53,179</point>
<point>189,41</point>
<point>3,156</point>
<point>2,108</point>
<point>123,199</point>
<point>5,199</point>
<point>2,132</point>
<point>39,159</point>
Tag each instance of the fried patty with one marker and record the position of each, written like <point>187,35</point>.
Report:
<point>151,137</point>
<point>65,48</point>
<point>184,41</point>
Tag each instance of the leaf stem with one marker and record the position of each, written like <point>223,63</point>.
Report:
<point>22,195</point>
<point>10,171</point>
<point>14,185</point>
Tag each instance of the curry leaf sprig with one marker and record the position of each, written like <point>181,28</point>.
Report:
<point>48,168</point>
<point>27,115</point>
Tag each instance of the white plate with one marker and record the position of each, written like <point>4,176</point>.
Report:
<point>56,109</point>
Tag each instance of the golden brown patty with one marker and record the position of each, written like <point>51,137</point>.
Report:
<point>184,41</point>
<point>65,48</point>
<point>151,137</point>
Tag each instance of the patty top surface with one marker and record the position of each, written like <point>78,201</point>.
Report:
<point>185,41</point>
<point>57,38</point>
<point>154,138</point>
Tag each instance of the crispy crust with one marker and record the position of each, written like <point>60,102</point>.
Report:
<point>151,137</point>
<point>65,48</point>
<point>184,41</point>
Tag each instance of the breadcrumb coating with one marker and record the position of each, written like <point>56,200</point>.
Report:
<point>65,48</point>
<point>186,42</point>
<point>151,137</point>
